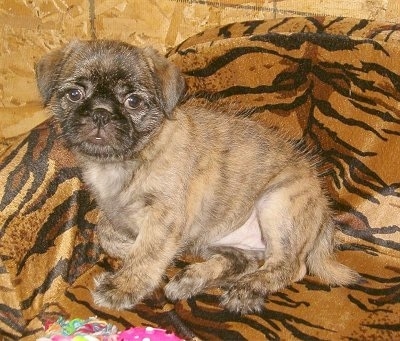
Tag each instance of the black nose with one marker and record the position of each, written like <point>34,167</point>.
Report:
<point>100,116</point>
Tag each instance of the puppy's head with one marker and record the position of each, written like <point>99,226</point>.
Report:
<point>109,97</point>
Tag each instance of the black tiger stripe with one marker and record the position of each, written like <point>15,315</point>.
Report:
<point>361,305</point>
<point>11,317</point>
<point>61,176</point>
<point>241,90</point>
<point>58,270</point>
<point>385,327</point>
<point>369,236</point>
<point>350,76</point>
<point>327,110</point>
<point>279,24</point>
<point>224,31</point>
<point>223,60</point>
<point>384,72</point>
<point>350,187</point>
<point>320,26</point>
<point>124,321</point>
<point>54,227</point>
<point>271,317</point>
<point>389,28</point>
<point>341,142</point>
<point>328,42</point>
<point>391,132</point>
<point>252,26</point>
<point>385,116</point>
<point>359,26</point>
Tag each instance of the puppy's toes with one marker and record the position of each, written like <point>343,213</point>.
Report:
<point>108,293</point>
<point>242,300</point>
<point>185,284</point>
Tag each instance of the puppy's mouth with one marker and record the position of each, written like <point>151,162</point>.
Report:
<point>98,137</point>
<point>96,142</point>
<point>102,140</point>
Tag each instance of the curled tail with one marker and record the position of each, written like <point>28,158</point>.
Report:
<point>321,261</point>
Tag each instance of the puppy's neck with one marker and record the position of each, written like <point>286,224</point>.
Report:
<point>107,179</point>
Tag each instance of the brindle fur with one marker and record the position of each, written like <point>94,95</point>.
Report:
<point>173,177</point>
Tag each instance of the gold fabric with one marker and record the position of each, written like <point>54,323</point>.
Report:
<point>333,82</point>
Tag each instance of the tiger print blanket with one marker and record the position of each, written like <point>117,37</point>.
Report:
<point>334,82</point>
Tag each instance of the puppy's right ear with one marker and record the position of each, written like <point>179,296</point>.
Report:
<point>171,79</point>
<point>48,70</point>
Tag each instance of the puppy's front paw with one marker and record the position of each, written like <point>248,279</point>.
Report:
<point>242,299</point>
<point>115,292</point>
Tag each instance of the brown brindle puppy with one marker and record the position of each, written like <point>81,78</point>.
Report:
<point>172,178</point>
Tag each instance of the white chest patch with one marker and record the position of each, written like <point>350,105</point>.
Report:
<point>107,179</point>
<point>247,237</point>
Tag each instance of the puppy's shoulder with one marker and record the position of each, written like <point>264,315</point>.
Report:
<point>226,121</point>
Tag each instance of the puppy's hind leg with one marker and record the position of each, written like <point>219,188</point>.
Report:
<point>289,221</point>
<point>222,266</point>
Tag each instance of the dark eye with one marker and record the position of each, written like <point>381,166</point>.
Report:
<point>133,102</point>
<point>75,95</point>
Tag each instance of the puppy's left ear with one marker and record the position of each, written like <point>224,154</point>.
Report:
<point>48,68</point>
<point>173,84</point>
